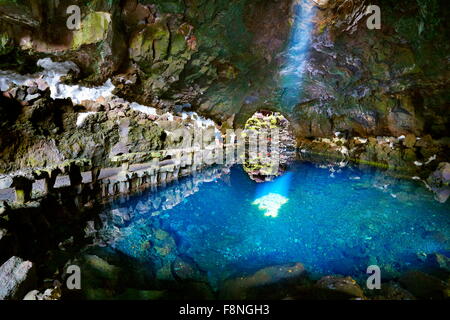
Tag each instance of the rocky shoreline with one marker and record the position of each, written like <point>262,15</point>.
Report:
<point>410,157</point>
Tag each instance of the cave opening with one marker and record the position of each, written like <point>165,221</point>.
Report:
<point>270,143</point>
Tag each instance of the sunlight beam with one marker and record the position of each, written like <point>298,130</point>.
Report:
<point>292,73</point>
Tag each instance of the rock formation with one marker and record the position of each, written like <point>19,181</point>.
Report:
<point>121,83</point>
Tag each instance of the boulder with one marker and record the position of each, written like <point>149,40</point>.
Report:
<point>6,182</point>
<point>334,287</point>
<point>101,268</point>
<point>241,288</point>
<point>17,277</point>
<point>442,195</point>
<point>442,173</point>
<point>425,286</point>
<point>393,291</point>
<point>439,182</point>
<point>409,141</point>
<point>186,270</point>
<point>32,295</point>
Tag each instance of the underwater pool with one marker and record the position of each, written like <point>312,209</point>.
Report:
<point>334,220</point>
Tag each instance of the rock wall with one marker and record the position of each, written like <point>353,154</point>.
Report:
<point>378,82</point>
<point>223,59</point>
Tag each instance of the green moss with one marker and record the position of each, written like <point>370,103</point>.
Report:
<point>146,138</point>
<point>404,61</point>
<point>150,44</point>
<point>6,44</point>
<point>94,28</point>
<point>168,6</point>
<point>380,71</point>
<point>178,44</point>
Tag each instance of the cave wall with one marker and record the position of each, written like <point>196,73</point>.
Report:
<point>379,82</point>
<point>222,58</point>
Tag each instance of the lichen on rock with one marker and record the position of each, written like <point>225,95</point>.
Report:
<point>94,28</point>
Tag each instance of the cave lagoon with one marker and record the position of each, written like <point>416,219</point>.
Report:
<point>333,218</point>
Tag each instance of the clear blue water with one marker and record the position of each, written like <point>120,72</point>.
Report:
<point>333,222</point>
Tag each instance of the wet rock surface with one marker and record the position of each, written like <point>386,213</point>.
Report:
<point>48,132</point>
<point>262,283</point>
<point>270,144</point>
<point>411,156</point>
<point>16,277</point>
<point>439,182</point>
<point>393,291</point>
<point>333,287</point>
<point>425,286</point>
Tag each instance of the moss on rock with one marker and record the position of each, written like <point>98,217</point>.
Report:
<point>94,28</point>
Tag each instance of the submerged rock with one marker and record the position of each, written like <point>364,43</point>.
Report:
<point>102,267</point>
<point>392,291</point>
<point>241,288</point>
<point>187,270</point>
<point>334,287</point>
<point>271,204</point>
<point>98,276</point>
<point>425,286</point>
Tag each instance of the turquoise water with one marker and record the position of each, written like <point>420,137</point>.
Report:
<point>334,220</point>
